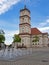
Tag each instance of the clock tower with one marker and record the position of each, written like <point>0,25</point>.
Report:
<point>25,27</point>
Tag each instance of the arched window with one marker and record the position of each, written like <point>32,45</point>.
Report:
<point>22,29</point>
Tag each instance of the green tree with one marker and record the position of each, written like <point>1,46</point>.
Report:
<point>2,32</point>
<point>2,37</point>
<point>16,38</point>
<point>36,39</point>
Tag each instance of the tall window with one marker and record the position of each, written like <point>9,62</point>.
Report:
<point>22,29</point>
<point>25,19</point>
<point>23,41</point>
<point>22,19</point>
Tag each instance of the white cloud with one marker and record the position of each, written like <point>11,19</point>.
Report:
<point>42,24</point>
<point>44,29</point>
<point>47,20</point>
<point>9,33</point>
<point>5,5</point>
<point>9,36</point>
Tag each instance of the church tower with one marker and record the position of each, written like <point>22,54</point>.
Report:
<point>25,27</point>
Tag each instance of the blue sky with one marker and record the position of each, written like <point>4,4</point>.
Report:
<point>10,12</point>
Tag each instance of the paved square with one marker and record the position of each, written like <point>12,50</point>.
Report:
<point>39,56</point>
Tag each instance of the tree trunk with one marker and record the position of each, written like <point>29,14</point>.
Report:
<point>0,46</point>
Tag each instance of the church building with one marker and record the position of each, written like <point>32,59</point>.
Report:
<point>30,37</point>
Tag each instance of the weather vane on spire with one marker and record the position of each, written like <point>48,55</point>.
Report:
<point>24,3</point>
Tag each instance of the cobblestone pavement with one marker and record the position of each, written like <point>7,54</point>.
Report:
<point>39,56</point>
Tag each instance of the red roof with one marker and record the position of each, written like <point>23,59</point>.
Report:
<point>35,31</point>
<point>48,39</point>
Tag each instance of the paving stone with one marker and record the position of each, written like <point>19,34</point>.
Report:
<point>38,55</point>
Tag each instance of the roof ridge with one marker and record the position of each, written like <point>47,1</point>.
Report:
<point>35,31</point>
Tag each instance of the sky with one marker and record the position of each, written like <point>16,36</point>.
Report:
<point>10,12</point>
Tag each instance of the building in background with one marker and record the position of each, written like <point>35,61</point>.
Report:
<point>38,38</point>
<point>30,37</point>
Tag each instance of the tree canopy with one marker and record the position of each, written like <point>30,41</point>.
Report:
<point>2,37</point>
<point>36,38</point>
<point>16,38</point>
<point>2,32</point>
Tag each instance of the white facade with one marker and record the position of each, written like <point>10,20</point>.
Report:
<point>25,39</point>
<point>25,31</point>
<point>43,40</point>
<point>25,27</point>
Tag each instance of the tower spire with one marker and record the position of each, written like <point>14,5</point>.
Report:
<point>25,6</point>
<point>24,3</point>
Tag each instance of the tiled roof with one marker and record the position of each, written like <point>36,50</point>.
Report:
<point>35,31</point>
<point>48,39</point>
<point>25,9</point>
